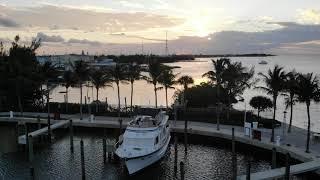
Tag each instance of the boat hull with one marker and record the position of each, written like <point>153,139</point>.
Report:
<point>137,164</point>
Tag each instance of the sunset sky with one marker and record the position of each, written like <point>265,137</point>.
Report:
<point>203,26</point>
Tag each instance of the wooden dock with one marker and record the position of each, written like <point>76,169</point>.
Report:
<point>311,161</point>
<point>280,172</point>
<point>22,139</point>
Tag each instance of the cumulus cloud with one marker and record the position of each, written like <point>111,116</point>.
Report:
<point>47,38</point>
<point>7,22</point>
<point>84,19</point>
<point>309,16</point>
<point>249,42</point>
<point>291,38</point>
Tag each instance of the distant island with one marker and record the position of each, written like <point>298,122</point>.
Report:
<point>233,55</point>
<point>137,58</point>
<point>144,59</point>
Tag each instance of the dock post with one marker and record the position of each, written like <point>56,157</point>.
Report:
<point>26,127</point>
<point>274,158</point>
<point>287,174</point>
<point>175,153</point>
<point>125,103</point>
<point>30,147</point>
<point>182,170</point>
<point>49,129</point>
<point>32,173</point>
<point>83,170</point>
<point>71,135</point>
<point>104,143</point>
<point>185,135</point>
<point>248,170</point>
<point>120,127</point>
<point>234,157</point>
<point>175,114</point>
<point>38,121</point>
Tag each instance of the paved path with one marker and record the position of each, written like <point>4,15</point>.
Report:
<point>296,138</point>
<point>280,172</point>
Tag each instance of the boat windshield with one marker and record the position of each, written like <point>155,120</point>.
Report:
<point>138,141</point>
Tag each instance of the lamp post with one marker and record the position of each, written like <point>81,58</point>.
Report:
<point>284,123</point>
<point>245,109</point>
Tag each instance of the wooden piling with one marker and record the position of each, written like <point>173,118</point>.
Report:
<point>287,174</point>
<point>32,174</point>
<point>71,136</point>
<point>185,135</point>
<point>125,104</point>
<point>274,158</point>
<point>83,170</point>
<point>104,144</point>
<point>26,127</point>
<point>49,129</point>
<point>182,170</point>
<point>120,128</point>
<point>109,156</point>
<point>248,170</point>
<point>30,149</point>
<point>175,111</point>
<point>175,154</point>
<point>234,157</point>
<point>39,127</point>
<point>38,121</point>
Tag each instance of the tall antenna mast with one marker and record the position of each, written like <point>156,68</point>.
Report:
<point>166,43</point>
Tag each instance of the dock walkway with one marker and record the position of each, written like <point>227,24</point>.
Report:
<point>296,138</point>
<point>280,172</point>
<point>22,139</point>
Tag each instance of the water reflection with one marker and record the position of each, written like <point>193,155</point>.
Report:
<point>57,162</point>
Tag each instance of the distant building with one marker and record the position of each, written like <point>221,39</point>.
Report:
<point>65,60</point>
<point>103,62</point>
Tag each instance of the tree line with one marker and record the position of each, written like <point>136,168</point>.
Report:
<point>230,79</point>
<point>24,81</point>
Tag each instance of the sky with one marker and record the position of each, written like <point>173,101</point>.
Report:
<point>140,26</point>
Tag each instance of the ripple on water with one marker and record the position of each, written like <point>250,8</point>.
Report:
<point>57,162</point>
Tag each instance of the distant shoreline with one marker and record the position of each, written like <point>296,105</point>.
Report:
<point>232,55</point>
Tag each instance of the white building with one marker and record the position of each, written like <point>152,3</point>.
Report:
<point>65,60</point>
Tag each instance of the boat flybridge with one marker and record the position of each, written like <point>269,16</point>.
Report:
<point>144,141</point>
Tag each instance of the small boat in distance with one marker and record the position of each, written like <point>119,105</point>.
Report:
<point>144,142</point>
<point>263,62</point>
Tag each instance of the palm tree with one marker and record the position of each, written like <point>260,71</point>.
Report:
<point>118,74</point>
<point>68,81</point>
<point>99,79</point>
<point>155,69</point>
<point>274,81</point>
<point>185,81</point>
<point>167,79</point>
<point>81,71</point>
<point>134,73</point>
<point>290,88</point>
<point>215,77</point>
<point>49,74</point>
<point>307,91</point>
<point>235,80</point>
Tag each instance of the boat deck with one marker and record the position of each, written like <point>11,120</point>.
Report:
<point>144,122</point>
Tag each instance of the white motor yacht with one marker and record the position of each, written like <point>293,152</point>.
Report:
<point>144,141</point>
<point>263,62</point>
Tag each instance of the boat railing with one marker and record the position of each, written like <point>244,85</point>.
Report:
<point>119,142</point>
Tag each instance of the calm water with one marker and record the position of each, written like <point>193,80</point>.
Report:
<point>144,95</point>
<point>56,162</point>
